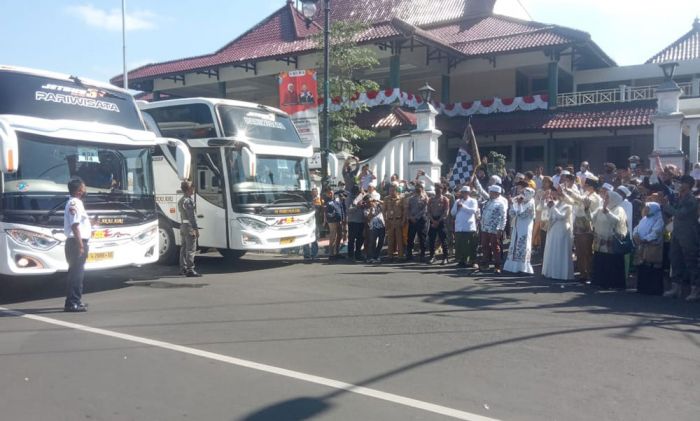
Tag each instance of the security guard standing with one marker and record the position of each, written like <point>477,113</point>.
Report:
<point>77,228</point>
<point>189,232</point>
<point>394,215</point>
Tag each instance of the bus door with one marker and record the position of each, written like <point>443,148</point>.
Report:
<point>210,197</point>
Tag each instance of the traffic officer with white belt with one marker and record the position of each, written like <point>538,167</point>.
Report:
<point>77,228</point>
<point>189,231</point>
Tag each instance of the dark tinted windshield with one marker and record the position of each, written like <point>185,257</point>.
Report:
<point>47,164</point>
<point>55,99</point>
<point>257,124</point>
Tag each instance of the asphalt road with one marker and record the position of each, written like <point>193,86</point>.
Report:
<point>273,338</point>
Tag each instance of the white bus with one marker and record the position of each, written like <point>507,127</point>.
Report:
<point>250,172</point>
<point>55,127</point>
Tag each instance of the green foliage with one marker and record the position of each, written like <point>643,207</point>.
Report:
<point>346,59</point>
<point>496,164</point>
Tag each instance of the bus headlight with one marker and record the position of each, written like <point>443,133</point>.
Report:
<point>252,223</point>
<point>32,239</point>
<point>146,236</point>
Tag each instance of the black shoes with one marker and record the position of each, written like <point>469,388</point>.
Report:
<point>193,274</point>
<point>76,308</point>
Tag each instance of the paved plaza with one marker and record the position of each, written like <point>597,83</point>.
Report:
<point>272,338</point>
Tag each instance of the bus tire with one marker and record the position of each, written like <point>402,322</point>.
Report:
<point>232,255</point>
<point>167,248</point>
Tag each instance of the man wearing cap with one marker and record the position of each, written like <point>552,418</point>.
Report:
<point>584,173</point>
<point>333,215</point>
<point>394,214</point>
<point>416,214</point>
<point>465,212</point>
<point>493,222</point>
<point>684,240</point>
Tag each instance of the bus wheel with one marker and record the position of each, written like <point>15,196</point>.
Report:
<point>232,255</point>
<point>166,244</point>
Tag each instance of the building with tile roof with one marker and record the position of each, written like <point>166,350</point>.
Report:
<point>595,110</point>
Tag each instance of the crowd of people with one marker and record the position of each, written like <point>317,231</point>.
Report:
<point>607,230</point>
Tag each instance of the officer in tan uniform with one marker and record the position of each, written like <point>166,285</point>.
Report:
<point>394,215</point>
<point>189,231</point>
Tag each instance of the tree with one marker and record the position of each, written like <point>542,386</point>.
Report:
<point>346,59</point>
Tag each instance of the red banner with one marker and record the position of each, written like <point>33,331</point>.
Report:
<point>299,98</point>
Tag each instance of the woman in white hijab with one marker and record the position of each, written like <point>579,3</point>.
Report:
<point>522,215</point>
<point>558,261</point>
<point>648,238</point>
<point>609,226</point>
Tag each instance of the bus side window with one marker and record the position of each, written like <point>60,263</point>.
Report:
<point>209,173</point>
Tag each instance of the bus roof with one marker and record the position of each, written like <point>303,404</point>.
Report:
<point>63,76</point>
<point>209,101</point>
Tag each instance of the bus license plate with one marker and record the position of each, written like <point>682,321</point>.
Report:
<point>287,240</point>
<point>100,257</point>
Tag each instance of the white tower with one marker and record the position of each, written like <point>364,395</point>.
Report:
<point>668,127</point>
<point>425,139</point>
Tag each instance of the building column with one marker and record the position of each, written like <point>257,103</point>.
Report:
<point>395,71</point>
<point>695,90</point>
<point>693,143</point>
<point>156,96</point>
<point>553,85</point>
<point>222,89</point>
<point>445,89</point>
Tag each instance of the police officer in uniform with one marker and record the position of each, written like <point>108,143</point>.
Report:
<point>76,227</point>
<point>189,232</point>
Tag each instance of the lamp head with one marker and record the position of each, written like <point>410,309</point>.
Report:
<point>669,69</point>
<point>308,9</point>
<point>426,91</point>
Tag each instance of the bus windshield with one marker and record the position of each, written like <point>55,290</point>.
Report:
<point>278,180</point>
<point>47,164</point>
<point>258,124</point>
<point>44,97</point>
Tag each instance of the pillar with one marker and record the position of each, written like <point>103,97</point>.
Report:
<point>445,89</point>
<point>222,89</point>
<point>693,143</point>
<point>395,71</point>
<point>425,140</point>
<point>553,85</point>
<point>668,126</point>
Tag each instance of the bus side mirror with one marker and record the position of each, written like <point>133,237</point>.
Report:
<point>248,159</point>
<point>183,160</point>
<point>9,148</point>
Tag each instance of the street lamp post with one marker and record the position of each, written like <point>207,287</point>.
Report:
<point>309,8</point>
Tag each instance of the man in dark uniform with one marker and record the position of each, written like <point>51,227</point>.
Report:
<point>684,239</point>
<point>76,227</point>
<point>189,232</point>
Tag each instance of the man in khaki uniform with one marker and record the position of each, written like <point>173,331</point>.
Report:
<point>394,215</point>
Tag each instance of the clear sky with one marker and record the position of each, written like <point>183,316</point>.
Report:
<point>84,38</point>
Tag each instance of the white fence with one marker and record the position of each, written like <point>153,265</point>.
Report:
<point>621,94</point>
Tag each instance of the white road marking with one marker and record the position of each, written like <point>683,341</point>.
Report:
<point>335,384</point>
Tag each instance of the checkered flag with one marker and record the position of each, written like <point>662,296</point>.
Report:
<point>463,168</point>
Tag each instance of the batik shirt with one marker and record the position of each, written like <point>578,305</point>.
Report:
<point>493,217</point>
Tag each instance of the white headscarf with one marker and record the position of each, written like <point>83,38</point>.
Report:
<point>646,225</point>
<point>528,194</point>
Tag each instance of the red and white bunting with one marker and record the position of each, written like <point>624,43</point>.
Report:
<point>457,109</point>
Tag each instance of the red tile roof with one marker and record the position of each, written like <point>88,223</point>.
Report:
<point>586,117</point>
<point>460,27</point>
<point>386,117</point>
<point>686,47</point>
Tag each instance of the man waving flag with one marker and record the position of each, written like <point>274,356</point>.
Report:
<point>468,159</point>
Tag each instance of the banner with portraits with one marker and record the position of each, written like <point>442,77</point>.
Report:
<point>299,98</point>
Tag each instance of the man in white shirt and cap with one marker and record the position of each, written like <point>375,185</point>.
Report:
<point>465,212</point>
<point>77,228</point>
<point>584,173</point>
